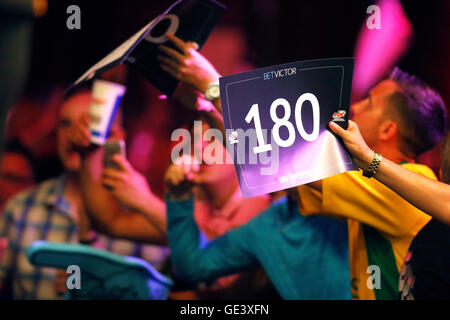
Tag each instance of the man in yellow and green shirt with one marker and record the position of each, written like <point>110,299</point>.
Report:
<point>401,118</point>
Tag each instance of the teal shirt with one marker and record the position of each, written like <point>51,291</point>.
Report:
<point>304,257</point>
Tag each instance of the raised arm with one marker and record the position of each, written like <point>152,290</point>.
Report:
<point>131,189</point>
<point>195,73</point>
<point>193,100</point>
<point>189,66</point>
<point>129,210</point>
<point>430,196</point>
<point>140,217</point>
<point>193,261</point>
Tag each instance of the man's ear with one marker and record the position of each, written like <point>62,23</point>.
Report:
<point>388,130</point>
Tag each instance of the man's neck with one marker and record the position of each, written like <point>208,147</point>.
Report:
<point>396,156</point>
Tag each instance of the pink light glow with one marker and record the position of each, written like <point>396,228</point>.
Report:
<point>378,50</point>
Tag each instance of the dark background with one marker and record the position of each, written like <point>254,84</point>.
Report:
<point>277,32</point>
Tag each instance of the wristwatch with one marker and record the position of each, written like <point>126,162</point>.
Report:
<point>373,168</point>
<point>213,91</point>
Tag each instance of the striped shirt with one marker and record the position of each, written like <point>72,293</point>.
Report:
<point>42,213</point>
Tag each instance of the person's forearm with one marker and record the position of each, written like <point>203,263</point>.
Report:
<point>215,120</point>
<point>135,226</point>
<point>154,210</point>
<point>222,256</point>
<point>106,213</point>
<point>183,237</point>
<point>432,197</point>
<point>428,195</point>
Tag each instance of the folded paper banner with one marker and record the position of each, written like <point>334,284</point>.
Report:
<point>190,20</point>
<point>276,119</point>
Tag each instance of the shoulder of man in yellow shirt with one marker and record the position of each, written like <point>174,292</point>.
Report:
<point>351,195</point>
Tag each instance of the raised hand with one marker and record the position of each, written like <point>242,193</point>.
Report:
<point>127,185</point>
<point>355,143</point>
<point>189,66</point>
<point>181,177</point>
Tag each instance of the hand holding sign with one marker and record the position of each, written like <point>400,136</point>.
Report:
<point>355,143</point>
<point>283,112</point>
<point>190,20</point>
<point>189,66</point>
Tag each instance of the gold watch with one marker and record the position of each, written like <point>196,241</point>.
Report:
<point>213,91</point>
<point>373,168</point>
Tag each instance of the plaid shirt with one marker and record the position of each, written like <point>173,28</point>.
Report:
<point>43,213</point>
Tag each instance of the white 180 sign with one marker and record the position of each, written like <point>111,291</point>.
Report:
<point>284,121</point>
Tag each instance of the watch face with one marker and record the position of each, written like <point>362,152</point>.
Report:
<point>214,91</point>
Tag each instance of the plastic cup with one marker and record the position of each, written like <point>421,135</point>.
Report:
<point>106,98</point>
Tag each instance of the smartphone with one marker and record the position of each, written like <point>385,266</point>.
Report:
<point>111,148</point>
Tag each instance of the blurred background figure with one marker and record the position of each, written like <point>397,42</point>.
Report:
<point>16,21</point>
<point>17,171</point>
<point>33,121</point>
<point>54,211</point>
<point>219,208</point>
